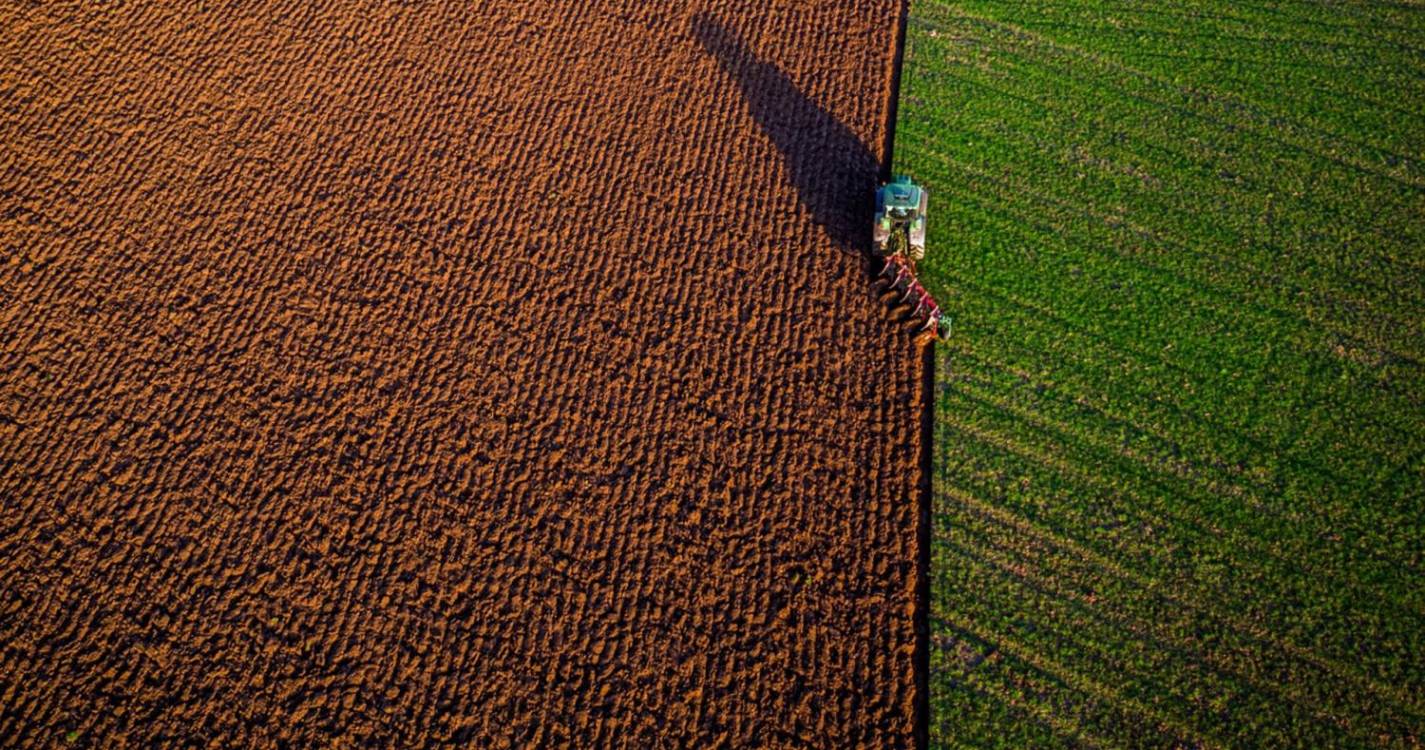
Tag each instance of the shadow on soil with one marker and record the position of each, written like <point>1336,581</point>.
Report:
<point>835,174</point>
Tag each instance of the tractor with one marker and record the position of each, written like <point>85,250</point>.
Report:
<point>899,243</point>
<point>900,219</point>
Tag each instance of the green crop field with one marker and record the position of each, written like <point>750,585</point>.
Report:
<point>1179,485</point>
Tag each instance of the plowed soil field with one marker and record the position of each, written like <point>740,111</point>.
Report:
<point>389,374</point>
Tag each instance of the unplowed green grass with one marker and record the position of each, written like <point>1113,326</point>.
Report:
<point>1179,485</point>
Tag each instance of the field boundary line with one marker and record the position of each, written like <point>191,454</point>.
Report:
<point>925,401</point>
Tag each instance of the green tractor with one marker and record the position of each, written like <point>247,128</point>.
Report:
<point>899,236</point>
<point>900,219</point>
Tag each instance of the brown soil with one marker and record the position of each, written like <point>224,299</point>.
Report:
<point>406,373</point>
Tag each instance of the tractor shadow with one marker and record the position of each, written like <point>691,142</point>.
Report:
<point>833,171</point>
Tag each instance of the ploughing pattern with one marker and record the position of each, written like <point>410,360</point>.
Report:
<point>395,374</point>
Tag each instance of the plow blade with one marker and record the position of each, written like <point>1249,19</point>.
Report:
<point>912,307</point>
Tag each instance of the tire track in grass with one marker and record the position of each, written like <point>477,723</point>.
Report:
<point>1086,85</point>
<point>1232,681</point>
<point>1146,389</point>
<point>1376,72</point>
<point>1160,360</point>
<point>1062,414</point>
<point>1128,265</point>
<point>1157,488</point>
<point>1096,689</point>
<point>1334,668</point>
<point>1149,364</point>
<point>1224,107</point>
<point>1039,633</point>
<point>1313,272</point>
<point>1085,553</point>
<point>1163,522</point>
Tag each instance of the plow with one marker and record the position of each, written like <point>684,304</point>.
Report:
<point>898,243</point>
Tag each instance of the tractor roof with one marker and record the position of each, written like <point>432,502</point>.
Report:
<point>902,193</point>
